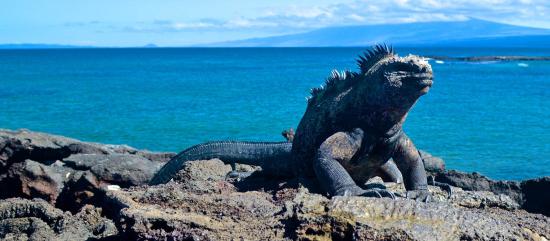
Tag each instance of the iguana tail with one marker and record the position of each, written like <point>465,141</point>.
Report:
<point>269,155</point>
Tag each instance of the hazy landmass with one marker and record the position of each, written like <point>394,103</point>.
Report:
<point>39,46</point>
<point>471,33</point>
<point>492,58</point>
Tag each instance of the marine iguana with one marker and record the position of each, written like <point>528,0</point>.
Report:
<point>352,127</point>
<point>389,171</point>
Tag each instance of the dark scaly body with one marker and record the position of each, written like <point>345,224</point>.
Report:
<point>269,155</point>
<point>342,111</point>
<point>350,129</point>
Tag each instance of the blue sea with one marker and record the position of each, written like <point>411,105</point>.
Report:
<point>489,117</point>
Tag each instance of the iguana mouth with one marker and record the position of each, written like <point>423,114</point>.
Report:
<point>424,81</point>
<point>426,75</point>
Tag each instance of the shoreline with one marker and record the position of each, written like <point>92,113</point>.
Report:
<point>73,190</point>
<point>489,58</point>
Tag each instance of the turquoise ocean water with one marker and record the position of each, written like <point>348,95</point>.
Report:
<point>490,117</point>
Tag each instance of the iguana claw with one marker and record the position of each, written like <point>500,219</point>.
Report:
<point>369,192</point>
<point>237,175</point>
<point>444,186</point>
<point>377,192</point>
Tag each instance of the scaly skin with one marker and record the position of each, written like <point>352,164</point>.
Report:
<point>350,129</point>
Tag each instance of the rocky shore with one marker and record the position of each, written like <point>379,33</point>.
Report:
<point>491,58</point>
<point>57,188</point>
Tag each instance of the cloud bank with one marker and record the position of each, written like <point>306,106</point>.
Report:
<point>362,12</point>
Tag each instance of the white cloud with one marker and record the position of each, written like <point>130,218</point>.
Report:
<point>360,12</point>
<point>356,17</point>
<point>182,26</point>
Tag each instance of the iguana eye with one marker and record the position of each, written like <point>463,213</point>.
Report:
<point>400,66</point>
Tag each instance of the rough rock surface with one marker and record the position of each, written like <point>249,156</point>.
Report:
<point>432,163</point>
<point>124,170</point>
<point>56,168</point>
<point>102,187</point>
<point>32,179</point>
<point>22,219</point>
<point>19,145</point>
<point>460,197</point>
<point>214,209</point>
<point>532,195</point>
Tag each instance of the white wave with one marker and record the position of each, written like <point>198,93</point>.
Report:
<point>523,65</point>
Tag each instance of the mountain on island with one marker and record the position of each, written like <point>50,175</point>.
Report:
<point>469,33</point>
<point>473,32</point>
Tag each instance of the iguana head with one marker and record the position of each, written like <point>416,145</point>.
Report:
<point>397,80</point>
<point>386,83</point>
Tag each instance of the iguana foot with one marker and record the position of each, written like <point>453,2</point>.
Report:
<point>238,175</point>
<point>377,192</point>
<point>374,185</point>
<point>422,195</point>
<point>444,186</point>
<point>349,190</point>
<point>354,190</point>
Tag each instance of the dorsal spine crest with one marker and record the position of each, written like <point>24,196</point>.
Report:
<point>331,83</point>
<point>340,79</point>
<point>372,56</point>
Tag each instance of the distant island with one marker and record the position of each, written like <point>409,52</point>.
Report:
<point>40,46</point>
<point>470,33</point>
<point>491,58</point>
<point>443,34</point>
<point>61,46</point>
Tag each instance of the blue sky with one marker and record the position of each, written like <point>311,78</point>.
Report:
<point>181,22</point>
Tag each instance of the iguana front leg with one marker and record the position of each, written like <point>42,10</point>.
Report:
<point>332,176</point>
<point>410,164</point>
<point>390,172</point>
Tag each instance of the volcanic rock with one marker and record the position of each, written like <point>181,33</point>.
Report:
<point>219,210</point>
<point>532,195</point>
<point>40,165</point>
<point>22,219</point>
<point>124,170</point>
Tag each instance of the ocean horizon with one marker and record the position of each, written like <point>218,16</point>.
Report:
<point>491,117</point>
